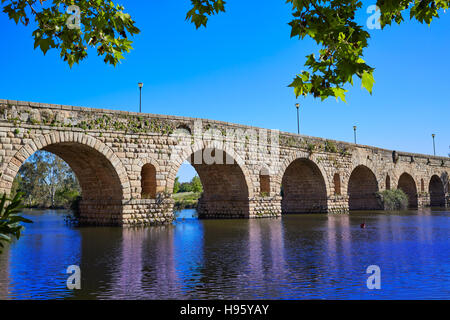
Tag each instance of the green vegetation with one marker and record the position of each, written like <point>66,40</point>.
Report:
<point>186,200</point>
<point>394,199</point>
<point>101,25</point>
<point>332,25</point>
<point>10,219</point>
<point>186,194</point>
<point>330,146</point>
<point>46,181</point>
<point>195,185</point>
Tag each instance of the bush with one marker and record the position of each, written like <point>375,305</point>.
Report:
<point>394,199</point>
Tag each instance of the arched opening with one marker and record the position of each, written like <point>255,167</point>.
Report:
<point>437,193</point>
<point>362,189</point>
<point>264,182</point>
<point>187,190</point>
<point>388,182</point>
<point>337,184</point>
<point>102,188</point>
<point>47,182</point>
<point>408,185</point>
<point>148,181</point>
<point>225,191</point>
<point>304,189</point>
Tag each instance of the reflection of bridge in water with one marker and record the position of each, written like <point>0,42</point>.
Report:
<point>126,164</point>
<point>302,256</point>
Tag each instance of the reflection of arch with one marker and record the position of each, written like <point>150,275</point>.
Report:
<point>362,189</point>
<point>304,188</point>
<point>408,185</point>
<point>437,193</point>
<point>148,181</point>
<point>99,171</point>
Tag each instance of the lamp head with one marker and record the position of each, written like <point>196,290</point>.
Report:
<point>297,105</point>
<point>140,84</point>
<point>433,135</point>
<point>354,128</point>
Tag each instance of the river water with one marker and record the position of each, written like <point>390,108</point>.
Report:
<point>295,257</point>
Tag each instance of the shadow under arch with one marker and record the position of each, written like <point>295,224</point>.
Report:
<point>362,189</point>
<point>437,192</point>
<point>407,183</point>
<point>100,173</point>
<point>303,188</point>
<point>225,180</point>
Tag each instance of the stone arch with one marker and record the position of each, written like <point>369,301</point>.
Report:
<point>303,155</point>
<point>388,182</point>
<point>304,187</point>
<point>99,171</point>
<point>362,189</point>
<point>437,192</point>
<point>227,187</point>
<point>148,181</point>
<point>185,154</point>
<point>407,183</point>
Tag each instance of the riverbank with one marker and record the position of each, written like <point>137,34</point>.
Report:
<point>186,200</point>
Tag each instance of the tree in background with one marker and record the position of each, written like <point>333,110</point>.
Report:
<point>103,25</point>
<point>176,185</point>
<point>195,185</point>
<point>46,181</point>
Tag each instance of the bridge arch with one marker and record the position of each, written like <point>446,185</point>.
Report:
<point>437,192</point>
<point>99,171</point>
<point>407,183</point>
<point>304,188</point>
<point>362,189</point>
<point>227,184</point>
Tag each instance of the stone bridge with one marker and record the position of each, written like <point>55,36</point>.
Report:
<point>126,164</point>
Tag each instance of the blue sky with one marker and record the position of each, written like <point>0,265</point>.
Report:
<point>238,69</point>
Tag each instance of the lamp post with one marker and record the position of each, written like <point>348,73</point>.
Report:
<point>140,84</point>
<point>434,147</point>
<point>297,105</point>
<point>354,133</point>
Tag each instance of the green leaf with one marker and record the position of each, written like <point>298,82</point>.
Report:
<point>367,81</point>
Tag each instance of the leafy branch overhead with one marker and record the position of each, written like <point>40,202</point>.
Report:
<point>332,25</point>
<point>102,25</point>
